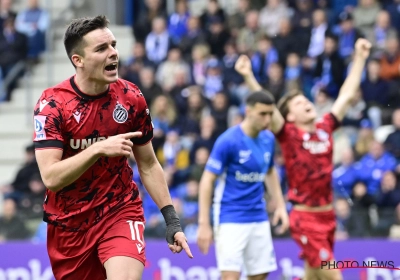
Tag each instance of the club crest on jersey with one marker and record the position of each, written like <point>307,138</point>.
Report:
<point>120,114</point>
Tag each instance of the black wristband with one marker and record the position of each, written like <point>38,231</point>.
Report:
<point>172,220</point>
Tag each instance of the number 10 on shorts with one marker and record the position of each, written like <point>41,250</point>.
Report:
<point>137,233</point>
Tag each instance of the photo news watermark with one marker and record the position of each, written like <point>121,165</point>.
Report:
<point>348,264</point>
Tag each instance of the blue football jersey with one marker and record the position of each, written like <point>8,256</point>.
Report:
<point>241,162</point>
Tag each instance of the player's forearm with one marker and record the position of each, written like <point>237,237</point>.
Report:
<point>252,83</point>
<point>63,173</point>
<point>274,187</point>
<point>205,196</point>
<point>153,179</point>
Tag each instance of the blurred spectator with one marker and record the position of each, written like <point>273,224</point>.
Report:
<point>276,82</point>
<point>394,232</point>
<point>214,81</point>
<point>373,165</point>
<point>31,204</point>
<point>343,5</point>
<point>34,22</point>
<point>347,34</point>
<point>237,20</point>
<point>142,26</point>
<point>13,52</point>
<point>270,16</point>
<point>29,168</point>
<point>365,138</point>
<point>286,41</point>
<point>388,195</point>
<point>207,136</point>
<point>343,212</point>
<point>381,30</point>
<point>293,71</point>
<point>250,34</point>
<point>232,77</point>
<point>394,11</point>
<point>6,10</point>
<point>158,41</point>
<point>131,68</point>
<point>318,31</point>
<point>148,85</point>
<point>177,23</point>
<point>344,176</point>
<point>11,226</point>
<point>217,37</point>
<point>330,68</point>
<point>302,18</point>
<point>167,70</point>
<point>263,58</point>
<point>323,103</point>
<point>194,36</point>
<point>362,201</point>
<point>392,143</point>
<point>219,111</point>
<point>172,154</point>
<point>390,61</point>
<point>200,55</point>
<point>200,160</point>
<point>365,14</point>
<point>375,93</point>
<point>213,13</point>
<point>163,113</point>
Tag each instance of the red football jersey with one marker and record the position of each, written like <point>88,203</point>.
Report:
<point>308,161</point>
<point>66,118</point>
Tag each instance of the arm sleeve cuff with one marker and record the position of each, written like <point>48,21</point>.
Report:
<point>143,140</point>
<point>49,144</point>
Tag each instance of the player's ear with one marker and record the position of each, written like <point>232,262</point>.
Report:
<point>290,117</point>
<point>77,60</point>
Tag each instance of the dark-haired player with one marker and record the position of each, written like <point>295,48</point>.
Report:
<point>307,148</point>
<point>85,129</point>
<point>241,164</point>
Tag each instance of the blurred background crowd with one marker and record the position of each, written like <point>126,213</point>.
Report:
<point>184,64</point>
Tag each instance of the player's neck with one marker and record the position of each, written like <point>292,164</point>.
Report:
<point>90,87</point>
<point>248,130</point>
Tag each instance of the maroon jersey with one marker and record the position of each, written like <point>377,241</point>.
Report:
<point>308,161</point>
<point>65,118</point>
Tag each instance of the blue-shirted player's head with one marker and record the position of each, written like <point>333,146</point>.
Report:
<point>259,109</point>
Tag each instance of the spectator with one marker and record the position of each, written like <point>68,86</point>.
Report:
<point>344,175</point>
<point>6,10</point>
<point>286,41</point>
<point>275,83</point>
<point>11,226</point>
<point>390,61</point>
<point>263,58</point>
<point>167,70</point>
<point>343,212</point>
<point>323,103</point>
<point>206,138</point>
<point>394,11</point>
<point>392,143</point>
<point>237,20</point>
<point>301,20</point>
<point>219,110</point>
<point>142,26</point>
<point>217,37</point>
<point>177,24</point>
<point>33,22</point>
<point>31,204</point>
<point>293,72</point>
<point>232,77</point>
<point>388,195</point>
<point>373,165</point>
<point>365,138</point>
<point>147,84</point>
<point>381,30</point>
<point>212,13</point>
<point>362,201</point>
<point>214,81</point>
<point>365,15</point>
<point>270,16</point>
<point>158,41</point>
<point>250,34</point>
<point>13,52</point>
<point>194,36</point>
<point>318,31</point>
<point>394,232</point>
<point>200,160</point>
<point>200,55</point>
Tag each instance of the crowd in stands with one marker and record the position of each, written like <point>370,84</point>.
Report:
<point>184,65</point>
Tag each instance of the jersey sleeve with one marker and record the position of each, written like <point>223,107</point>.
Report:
<point>48,122</point>
<point>142,122</point>
<point>330,121</point>
<point>272,162</point>
<point>287,132</point>
<point>219,157</point>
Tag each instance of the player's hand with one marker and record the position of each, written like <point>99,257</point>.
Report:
<point>281,214</point>
<point>243,65</point>
<point>118,145</point>
<point>180,244</point>
<point>362,48</point>
<point>204,238</point>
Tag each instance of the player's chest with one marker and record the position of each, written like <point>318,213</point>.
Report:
<point>317,143</point>
<point>255,155</point>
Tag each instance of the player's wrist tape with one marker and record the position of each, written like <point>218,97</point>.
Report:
<point>172,220</point>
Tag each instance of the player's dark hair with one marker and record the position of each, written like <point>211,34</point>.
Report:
<point>283,104</point>
<point>73,38</point>
<point>262,96</point>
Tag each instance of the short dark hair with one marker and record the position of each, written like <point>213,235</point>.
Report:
<point>262,96</point>
<point>283,104</point>
<point>77,29</point>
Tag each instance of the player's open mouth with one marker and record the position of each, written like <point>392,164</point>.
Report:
<point>111,67</point>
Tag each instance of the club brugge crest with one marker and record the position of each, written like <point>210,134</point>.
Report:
<point>120,114</point>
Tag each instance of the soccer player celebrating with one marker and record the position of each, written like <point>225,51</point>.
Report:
<point>242,158</point>
<point>85,129</point>
<point>307,148</point>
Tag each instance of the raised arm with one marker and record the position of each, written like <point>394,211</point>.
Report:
<point>352,83</point>
<point>243,67</point>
